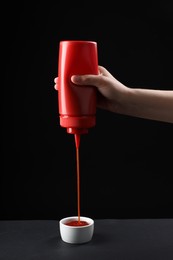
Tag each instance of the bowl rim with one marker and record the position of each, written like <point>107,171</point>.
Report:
<point>83,218</point>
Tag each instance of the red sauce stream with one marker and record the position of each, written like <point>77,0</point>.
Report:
<point>77,222</point>
<point>78,183</point>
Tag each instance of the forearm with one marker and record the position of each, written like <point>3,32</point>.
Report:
<point>148,104</point>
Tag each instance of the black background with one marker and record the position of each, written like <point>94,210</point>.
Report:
<point>125,162</point>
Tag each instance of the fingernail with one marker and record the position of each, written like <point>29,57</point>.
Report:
<point>75,78</point>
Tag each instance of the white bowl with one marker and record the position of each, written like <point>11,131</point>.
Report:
<point>76,234</point>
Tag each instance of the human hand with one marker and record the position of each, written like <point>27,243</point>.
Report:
<point>110,90</point>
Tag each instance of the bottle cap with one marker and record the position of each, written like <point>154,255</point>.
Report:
<point>77,124</point>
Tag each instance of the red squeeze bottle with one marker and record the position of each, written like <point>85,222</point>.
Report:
<point>77,104</point>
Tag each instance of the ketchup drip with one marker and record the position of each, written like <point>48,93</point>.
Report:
<point>77,143</point>
<point>77,222</point>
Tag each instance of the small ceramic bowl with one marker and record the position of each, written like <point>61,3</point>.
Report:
<point>76,234</point>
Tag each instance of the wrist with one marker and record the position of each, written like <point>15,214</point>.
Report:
<point>125,101</point>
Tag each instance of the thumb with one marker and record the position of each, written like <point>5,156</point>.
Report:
<point>85,79</point>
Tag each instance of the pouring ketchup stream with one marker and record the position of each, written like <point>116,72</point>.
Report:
<point>77,143</point>
<point>78,222</point>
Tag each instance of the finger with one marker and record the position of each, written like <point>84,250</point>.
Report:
<point>56,87</point>
<point>56,79</point>
<point>56,83</point>
<point>96,80</point>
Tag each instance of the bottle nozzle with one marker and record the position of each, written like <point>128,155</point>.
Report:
<point>77,131</point>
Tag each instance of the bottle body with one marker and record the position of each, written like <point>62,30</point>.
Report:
<point>76,104</point>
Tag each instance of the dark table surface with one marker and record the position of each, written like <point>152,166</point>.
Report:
<point>115,239</point>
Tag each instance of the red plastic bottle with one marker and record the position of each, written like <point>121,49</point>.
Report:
<point>77,104</point>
